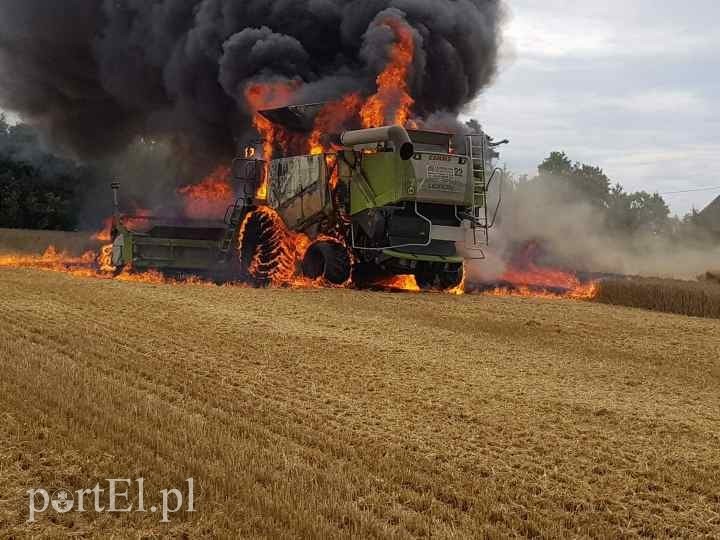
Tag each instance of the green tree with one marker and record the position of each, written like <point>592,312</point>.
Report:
<point>557,164</point>
<point>37,189</point>
<point>574,181</point>
<point>649,212</point>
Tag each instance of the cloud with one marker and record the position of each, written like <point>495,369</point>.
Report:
<point>609,29</point>
<point>656,101</point>
<point>628,86</point>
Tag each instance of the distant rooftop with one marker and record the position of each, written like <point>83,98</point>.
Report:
<point>710,216</point>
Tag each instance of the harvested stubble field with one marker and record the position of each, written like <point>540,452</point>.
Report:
<point>338,413</point>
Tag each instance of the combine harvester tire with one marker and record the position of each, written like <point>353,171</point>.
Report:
<point>263,251</point>
<point>329,260</point>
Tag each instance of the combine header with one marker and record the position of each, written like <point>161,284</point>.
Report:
<point>382,201</point>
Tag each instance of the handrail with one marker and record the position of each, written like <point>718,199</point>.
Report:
<point>500,193</point>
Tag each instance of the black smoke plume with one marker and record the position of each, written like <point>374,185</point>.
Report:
<point>94,75</point>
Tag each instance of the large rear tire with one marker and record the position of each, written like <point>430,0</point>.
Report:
<point>264,253</point>
<point>327,259</point>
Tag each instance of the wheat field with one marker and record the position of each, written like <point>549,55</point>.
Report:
<point>347,414</point>
<point>27,242</point>
<point>692,298</point>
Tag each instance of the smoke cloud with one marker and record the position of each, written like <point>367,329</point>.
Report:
<point>576,236</point>
<point>94,75</point>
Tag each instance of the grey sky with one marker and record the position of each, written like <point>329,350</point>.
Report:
<point>630,86</point>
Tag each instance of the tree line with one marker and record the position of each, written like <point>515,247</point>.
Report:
<point>38,190</point>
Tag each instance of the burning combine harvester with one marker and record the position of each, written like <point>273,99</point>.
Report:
<point>358,190</point>
<point>359,205</point>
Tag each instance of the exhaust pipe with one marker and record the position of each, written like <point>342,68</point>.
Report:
<point>115,186</point>
<point>398,135</point>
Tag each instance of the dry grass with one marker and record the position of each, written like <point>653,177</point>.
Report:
<point>36,242</point>
<point>713,276</point>
<point>343,414</point>
<point>696,299</point>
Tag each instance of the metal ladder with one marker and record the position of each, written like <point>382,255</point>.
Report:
<point>233,215</point>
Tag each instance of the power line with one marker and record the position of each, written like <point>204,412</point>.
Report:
<point>691,190</point>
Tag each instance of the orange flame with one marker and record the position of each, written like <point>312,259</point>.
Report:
<point>524,276</point>
<point>535,281</point>
<point>270,95</point>
<point>541,277</point>
<point>268,132</point>
<point>88,265</point>
<point>50,259</point>
<point>331,119</point>
<point>460,289</point>
<point>105,259</point>
<point>140,221</point>
<point>587,291</point>
<point>289,249</point>
<point>331,164</point>
<point>392,103</point>
<point>284,254</point>
<point>137,222</point>
<point>406,283</point>
<point>103,235</point>
<point>211,197</point>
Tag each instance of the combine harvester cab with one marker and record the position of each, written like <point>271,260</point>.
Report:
<point>420,207</point>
